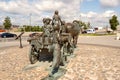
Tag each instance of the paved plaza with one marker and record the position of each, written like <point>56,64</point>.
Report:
<point>92,62</point>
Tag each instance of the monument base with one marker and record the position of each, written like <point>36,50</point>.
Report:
<point>57,75</point>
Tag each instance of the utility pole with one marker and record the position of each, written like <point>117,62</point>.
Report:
<point>81,28</point>
<point>80,9</point>
<point>30,21</point>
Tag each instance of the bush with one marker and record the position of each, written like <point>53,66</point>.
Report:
<point>31,28</point>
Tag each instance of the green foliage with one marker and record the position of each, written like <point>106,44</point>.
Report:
<point>31,28</point>
<point>7,23</point>
<point>22,29</point>
<point>88,25</point>
<point>85,25</point>
<point>113,22</point>
<point>81,23</point>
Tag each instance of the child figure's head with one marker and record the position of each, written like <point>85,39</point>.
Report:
<point>46,20</point>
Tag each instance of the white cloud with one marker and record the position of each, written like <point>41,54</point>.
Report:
<point>48,5</point>
<point>91,14</point>
<point>110,3</point>
<point>68,10</point>
<point>109,13</point>
<point>89,0</point>
<point>98,19</point>
<point>19,11</point>
<point>17,7</point>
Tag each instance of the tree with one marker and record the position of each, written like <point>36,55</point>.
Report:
<point>7,23</point>
<point>84,25</point>
<point>81,23</point>
<point>113,22</point>
<point>88,25</point>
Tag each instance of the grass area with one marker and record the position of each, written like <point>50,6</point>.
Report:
<point>97,34</point>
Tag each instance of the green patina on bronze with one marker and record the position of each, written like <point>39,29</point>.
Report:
<point>58,39</point>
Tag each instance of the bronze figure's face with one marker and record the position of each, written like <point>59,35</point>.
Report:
<point>56,12</point>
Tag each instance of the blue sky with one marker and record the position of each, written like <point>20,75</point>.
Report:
<point>96,6</point>
<point>87,6</point>
<point>104,9</point>
<point>97,12</point>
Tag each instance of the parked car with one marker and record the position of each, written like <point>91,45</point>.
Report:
<point>89,31</point>
<point>7,35</point>
<point>33,34</point>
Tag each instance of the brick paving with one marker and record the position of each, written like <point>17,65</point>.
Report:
<point>91,63</point>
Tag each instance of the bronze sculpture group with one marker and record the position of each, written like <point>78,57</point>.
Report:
<point>58,38</point>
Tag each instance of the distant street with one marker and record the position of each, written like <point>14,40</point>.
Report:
<point>91,40</point>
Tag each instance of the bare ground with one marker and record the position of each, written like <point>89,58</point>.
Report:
<point>91,63</point>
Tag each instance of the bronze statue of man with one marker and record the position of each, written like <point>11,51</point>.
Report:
<point>56,22</point>
<point>56,18</point>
